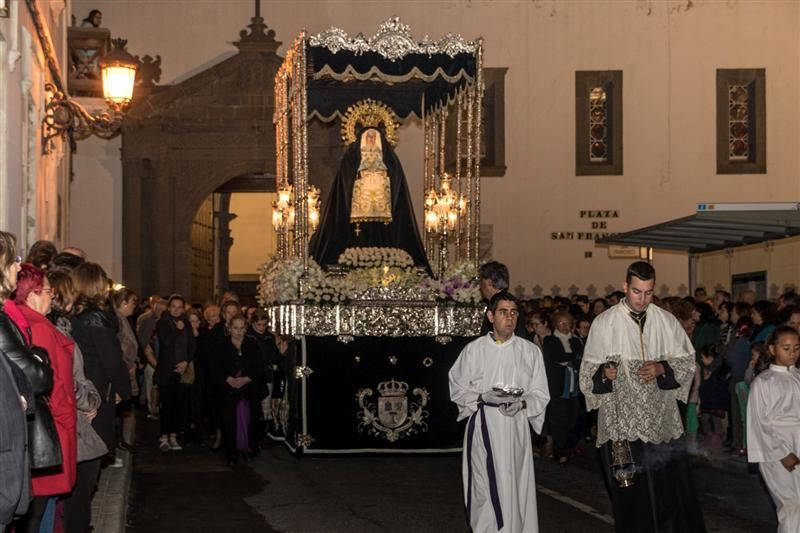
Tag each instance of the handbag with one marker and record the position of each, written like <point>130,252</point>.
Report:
<point>90,444</point>
<point>43,437</point>
<point>187,378</point>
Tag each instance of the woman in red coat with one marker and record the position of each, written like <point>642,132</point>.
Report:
<point>33,298</point>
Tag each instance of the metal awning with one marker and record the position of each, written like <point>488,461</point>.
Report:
<point>716,227</point>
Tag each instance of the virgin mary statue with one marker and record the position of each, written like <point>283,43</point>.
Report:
<point>369,204</point>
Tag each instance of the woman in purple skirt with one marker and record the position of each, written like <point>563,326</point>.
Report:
<point>245,387</point>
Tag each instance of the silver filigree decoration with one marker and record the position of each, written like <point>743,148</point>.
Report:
<point>304,440</point>
<point>392,416</point>
<point>393,41</point>
<point>427,362</point>
<point>393,360</point>
<point>378,318</point>
<point>357,359</point>
<point>301,372</point>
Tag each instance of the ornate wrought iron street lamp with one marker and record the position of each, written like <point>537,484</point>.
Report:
<point>66,118</point>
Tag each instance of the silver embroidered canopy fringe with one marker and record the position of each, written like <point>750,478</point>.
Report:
<point>393,41</point>
<point>377,319</point>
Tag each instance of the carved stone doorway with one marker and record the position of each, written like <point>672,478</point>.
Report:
<point>181,145</point>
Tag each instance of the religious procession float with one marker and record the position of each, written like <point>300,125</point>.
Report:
<point>379,309</point>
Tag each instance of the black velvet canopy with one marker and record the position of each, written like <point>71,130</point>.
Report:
<point>338,80</point>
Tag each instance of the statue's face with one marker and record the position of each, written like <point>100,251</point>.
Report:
<point>371,134</point>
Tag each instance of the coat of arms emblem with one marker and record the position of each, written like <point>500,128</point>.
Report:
<point>391,416</point>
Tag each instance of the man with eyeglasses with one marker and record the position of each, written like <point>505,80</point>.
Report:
<point>637,364</point>
<point>499,383</point>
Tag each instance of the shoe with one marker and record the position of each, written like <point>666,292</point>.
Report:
<point>174,446</point>
<point>125,446</point>
<point>117,463</point>
<point>164,446</point>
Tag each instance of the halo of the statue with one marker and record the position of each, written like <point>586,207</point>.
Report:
<point>369,114</point>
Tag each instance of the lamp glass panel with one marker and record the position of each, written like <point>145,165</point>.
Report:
<point>118,84</point>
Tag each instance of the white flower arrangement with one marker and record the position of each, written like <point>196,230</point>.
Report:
<point>278,280</point>
<point>371,257</point>
<point>281,279</point>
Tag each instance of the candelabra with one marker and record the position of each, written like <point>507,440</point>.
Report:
<point>443,211</point>
<point>283,215</point>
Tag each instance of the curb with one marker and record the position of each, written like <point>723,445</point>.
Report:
<point>110,502</point>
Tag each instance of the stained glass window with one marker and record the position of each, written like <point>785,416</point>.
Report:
<point>741,120</point>
<point>598,122</point>
<point>738,123</point>
<point>598,125</point>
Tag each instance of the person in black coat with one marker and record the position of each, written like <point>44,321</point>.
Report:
<point>245,387</point>
<point>561,364</point>
<point>94,329</point>
<point>16,398</point>
<point>259,331</point>
<point>176,345</point>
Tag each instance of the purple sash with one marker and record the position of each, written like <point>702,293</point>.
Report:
<point>498,511</point>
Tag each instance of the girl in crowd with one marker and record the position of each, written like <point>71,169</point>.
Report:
<point>726,329</point>
<point>774,430</point>
<point>245,387</point>
<point>33,296</point>
<point>175,351</point>
<point>737,356</point>
<point>713,399</point>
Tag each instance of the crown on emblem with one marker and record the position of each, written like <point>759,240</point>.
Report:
<point>392,388</point>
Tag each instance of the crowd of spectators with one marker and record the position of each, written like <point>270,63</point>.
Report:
<point>729,338</point>
<point>82,355</point>
<point>79,355</point>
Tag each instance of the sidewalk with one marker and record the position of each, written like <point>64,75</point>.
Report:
<point>110,502</point>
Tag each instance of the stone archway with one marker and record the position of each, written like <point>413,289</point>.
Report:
<point>182,143</point>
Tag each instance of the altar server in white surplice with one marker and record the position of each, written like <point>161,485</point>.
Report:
<point>773,426</point>
<point>499,484</point>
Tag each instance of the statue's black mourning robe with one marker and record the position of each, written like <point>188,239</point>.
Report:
<point>336,233</point>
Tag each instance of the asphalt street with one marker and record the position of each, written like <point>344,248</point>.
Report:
<point>193,490</point>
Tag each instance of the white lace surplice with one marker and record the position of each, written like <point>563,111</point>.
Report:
<point>637,410</point>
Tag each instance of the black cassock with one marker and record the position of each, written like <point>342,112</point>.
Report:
<point>336,233</point>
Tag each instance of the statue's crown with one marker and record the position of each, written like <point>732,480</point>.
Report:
<point>392,388</point>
